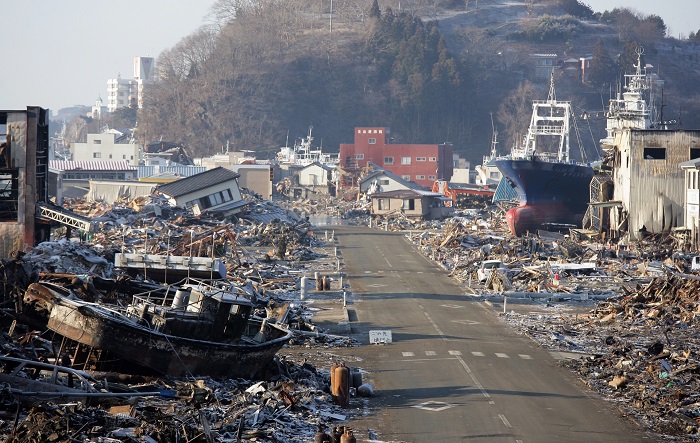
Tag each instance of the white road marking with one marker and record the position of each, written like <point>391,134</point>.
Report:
<point>437,328</point>
<point>473,377</point>
<point>436,406</point>
<point>525,356</point>
<point>466,322</point>
<point>455,352</point>
<point>504,420</point>
<point>477,354</point>
<point>429,352</point>
<point>408,354</point>
<point>501,355</point>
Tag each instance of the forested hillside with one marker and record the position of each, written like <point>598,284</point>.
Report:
<point>432,71</point>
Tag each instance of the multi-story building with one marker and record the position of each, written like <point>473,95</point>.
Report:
<point>122,93</point>
<point>111,145</point>
<point>419,163</point>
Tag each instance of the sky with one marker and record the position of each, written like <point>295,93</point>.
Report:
<point>60,53</point>
<point>680,16</point>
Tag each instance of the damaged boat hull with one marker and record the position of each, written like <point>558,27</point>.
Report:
<point>549,193</point>
<point>101,328</point>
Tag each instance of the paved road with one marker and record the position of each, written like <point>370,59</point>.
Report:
<point>454,372</point>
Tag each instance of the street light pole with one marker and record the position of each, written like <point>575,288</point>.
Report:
<point>330,20</point>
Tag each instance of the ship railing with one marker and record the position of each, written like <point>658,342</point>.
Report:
<point>548,156</point>
<point>549,129</point>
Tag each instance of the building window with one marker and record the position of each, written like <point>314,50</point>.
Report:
<point>409,204</point>
<point>420,159</point>
<point>383,204</point>
<point>388,160</point>
<point>406,177</point>
<point>433,159</point>
<point>384,181</point>
<point>9,195</point>
<point>405,160</point>
<point>694,153</point>
<point>432,177</point>
<point>359,156</point>
<point>97,142</point>
<point>420,177</point>
<point>372,141</point>
<point>96,155</point>
<point>655,153</point>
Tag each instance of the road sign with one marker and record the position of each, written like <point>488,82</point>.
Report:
<point>379,337</point>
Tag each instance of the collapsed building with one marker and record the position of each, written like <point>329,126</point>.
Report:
<point>24,162</point>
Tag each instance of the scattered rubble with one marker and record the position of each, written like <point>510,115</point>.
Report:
<point>267,249</point>
<point>628,311</point>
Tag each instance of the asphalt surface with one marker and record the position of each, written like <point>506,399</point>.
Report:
<point>453,370</point>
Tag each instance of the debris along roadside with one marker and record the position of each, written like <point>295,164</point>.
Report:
<point>623,316</point>
<point>263,253</point>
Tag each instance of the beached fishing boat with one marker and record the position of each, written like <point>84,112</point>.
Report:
<point>551,188</point>
<point>196,330</point>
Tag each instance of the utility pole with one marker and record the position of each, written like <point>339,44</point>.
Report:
<point>330,19</point>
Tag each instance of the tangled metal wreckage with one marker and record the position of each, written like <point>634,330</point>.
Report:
<point>164,328</point>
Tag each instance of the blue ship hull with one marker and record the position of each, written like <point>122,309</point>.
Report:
<point>549,192</point>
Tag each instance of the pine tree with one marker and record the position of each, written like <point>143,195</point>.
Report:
<point>374,11</point>
<point>602,69</point>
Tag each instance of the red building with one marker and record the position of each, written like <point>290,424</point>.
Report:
<point>422,164</point>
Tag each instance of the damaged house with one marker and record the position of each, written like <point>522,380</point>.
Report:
<point>649,180</point>
<point>316,178</point>
<point>691,169</point>
<point>384,181</point>
<point>213,190</point>
<point>412,203</point>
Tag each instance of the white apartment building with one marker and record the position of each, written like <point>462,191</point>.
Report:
<point>129,92</point>
<point>109,146</point>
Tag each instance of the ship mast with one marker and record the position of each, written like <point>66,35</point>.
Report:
<point>551,119</point>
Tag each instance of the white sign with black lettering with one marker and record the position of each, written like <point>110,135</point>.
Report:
<point>380,337</point>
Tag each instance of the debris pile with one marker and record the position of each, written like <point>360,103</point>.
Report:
<point>266,251</point>
<point>288,406</point>
<point>639,349</point>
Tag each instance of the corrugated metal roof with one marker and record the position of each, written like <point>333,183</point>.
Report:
<point>184,171</point>
<point>196,182</point>
<point>406,193</point>
<point>72,165</point>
